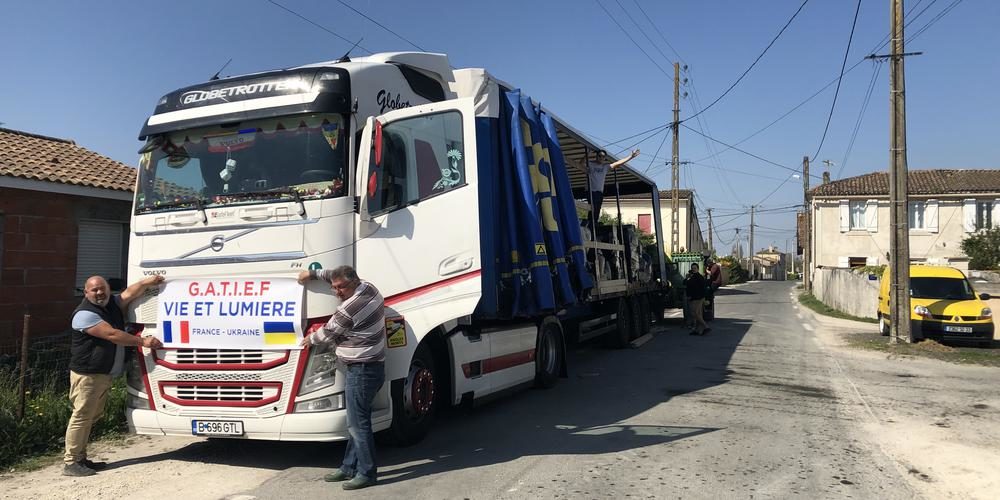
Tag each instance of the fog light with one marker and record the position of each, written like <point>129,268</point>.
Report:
<point>328,403</point>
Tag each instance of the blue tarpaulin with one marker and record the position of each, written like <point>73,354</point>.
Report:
<point>540,253</point>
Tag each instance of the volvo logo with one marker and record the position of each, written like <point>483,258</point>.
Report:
<point>218,241</point>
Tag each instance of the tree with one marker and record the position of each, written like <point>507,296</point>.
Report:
<point>983,249</point>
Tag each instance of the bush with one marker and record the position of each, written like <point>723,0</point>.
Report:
<point>47,410</point>
<point>983,249</point>
<point>737,274</point>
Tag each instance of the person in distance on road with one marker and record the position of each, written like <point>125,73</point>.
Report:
<point>694,285</point>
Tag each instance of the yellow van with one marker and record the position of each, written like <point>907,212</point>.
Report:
<point>943,306</point>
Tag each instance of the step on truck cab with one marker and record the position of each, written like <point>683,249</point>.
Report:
<point>456,195</point>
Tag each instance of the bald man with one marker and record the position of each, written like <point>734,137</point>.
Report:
<point>97,354</point>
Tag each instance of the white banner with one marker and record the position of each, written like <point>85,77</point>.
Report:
<point>219,313</point>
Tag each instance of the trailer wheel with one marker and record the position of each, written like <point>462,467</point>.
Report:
<point>548,355</point>
<point>645,316</point>
<point>413,400</point>
<point>636,315</point>
<point>622,334</point>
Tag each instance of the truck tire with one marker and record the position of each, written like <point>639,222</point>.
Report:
<point>620,336</point>
<point>636,313</point>
<point>645,316</point>
<point>414,400</point>
<point>548,354</point>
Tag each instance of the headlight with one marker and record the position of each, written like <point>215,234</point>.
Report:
<point>328,403</point>
<point>986,313</point>
<point>321,370</point>
<point>132,375</point>
<point>922,311</point>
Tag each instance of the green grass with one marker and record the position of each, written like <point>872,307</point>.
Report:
<point>808,300</point>
<point>872,341</point>
<point>33,441</point>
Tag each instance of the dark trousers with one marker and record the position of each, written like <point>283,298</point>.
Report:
<point>362,383</point>
<point>597,199</point>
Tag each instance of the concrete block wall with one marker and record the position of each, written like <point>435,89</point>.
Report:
<point>847,291</point>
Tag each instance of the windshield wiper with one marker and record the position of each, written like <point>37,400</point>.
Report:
<point>199,204</point>
<point>281,191</point>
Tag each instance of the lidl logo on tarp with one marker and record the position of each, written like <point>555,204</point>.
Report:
<point>220,313</point>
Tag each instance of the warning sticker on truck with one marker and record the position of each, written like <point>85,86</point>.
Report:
<point>395,332</point>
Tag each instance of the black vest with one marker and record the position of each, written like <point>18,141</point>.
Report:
<point>90,354</point>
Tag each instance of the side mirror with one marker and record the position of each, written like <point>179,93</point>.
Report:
<point>985,296</point>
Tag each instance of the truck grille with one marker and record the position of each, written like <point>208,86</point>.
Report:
<point>221,393</point>
<point>220,359</point>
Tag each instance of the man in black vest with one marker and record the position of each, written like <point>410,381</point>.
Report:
<point>96,355</point>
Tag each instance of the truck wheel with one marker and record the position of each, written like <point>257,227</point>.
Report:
<point>548,355</point>
<point>413,400</point>
<point>883,326</point>
<point>636,316</point>
<point>645,316</point>
<point>621,335</point>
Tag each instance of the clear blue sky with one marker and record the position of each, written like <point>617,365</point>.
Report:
<point>92,72</point>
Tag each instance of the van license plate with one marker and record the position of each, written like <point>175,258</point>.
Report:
<point>216,428</point>
<point>958,329</point>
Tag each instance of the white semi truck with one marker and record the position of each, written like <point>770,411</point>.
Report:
<point>458,197</point>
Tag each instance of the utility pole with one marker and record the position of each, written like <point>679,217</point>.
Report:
<point>675,195</point>
<point>899,243</point>
<point>739,247</point>
<point>752,253</point>
<point>807,233</point>
<point>711,247</point>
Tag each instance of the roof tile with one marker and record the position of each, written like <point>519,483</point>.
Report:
<point>37,157</point>
<point>920,182</point>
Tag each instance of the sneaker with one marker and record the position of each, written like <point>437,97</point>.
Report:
<point>97,466</point>
<point>77,469</point>
<point>336,476</point>
<point>358,482</point>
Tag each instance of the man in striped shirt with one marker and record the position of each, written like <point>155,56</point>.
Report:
<point>357,328</point>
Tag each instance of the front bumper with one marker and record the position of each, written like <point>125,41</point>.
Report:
<point>981,332</point>
<point>320,426</point>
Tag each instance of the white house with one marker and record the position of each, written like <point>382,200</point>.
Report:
<point>850,217</point>
<point>638,210</point>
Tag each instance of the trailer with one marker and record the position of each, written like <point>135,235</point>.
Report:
<point>462,199</point>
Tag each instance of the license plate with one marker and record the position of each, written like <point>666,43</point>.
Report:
<point>216,428</point>
<point>958,329</point>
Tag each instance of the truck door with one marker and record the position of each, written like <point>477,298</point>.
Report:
<point>418,224</point>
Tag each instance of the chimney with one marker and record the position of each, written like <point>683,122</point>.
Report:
<point>826,177</point>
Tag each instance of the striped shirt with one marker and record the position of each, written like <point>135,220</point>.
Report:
<point>357,328</point>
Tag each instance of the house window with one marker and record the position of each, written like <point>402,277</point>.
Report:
<point>918,212</point>
<point>99,252</point>
<point>646,223</point>
<point>858,216</point>
<point>984,215</point>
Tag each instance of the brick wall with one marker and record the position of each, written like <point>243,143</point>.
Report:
<point>38,260</point>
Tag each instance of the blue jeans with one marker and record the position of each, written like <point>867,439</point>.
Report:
<point>362,383</point>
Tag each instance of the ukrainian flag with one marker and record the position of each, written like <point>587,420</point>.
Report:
<point>279,332</point>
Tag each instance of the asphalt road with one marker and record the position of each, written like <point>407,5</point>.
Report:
<point>755,409</point>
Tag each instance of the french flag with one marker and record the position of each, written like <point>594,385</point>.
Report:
<point>168,332</point>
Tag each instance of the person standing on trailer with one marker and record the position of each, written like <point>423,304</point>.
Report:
<point>357,328</point>
<point>597,172</point>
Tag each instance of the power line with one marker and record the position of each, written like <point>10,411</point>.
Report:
<point>658,127</point>
<point>731,87</point>
<point>936,18</point>
<point>314,23</point>
<point>651,23</point>
<point>840,79</point>
<point>642,30</point>
<point>765,160</point>
<point>653,159</point>
<point>599,4</point>
<point>861,115</point>
<point>380,25</point>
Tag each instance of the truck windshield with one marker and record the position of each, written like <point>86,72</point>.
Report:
<point>941,288</point>
<point>303,157</point>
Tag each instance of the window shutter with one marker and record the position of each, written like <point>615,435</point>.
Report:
<point>845,216</point>
<point>98,251</point>
<point>969,215</point>
<point>931,216</point>
<point>843,262</point>
<point>996,213</point>
<point>871,261</point>
<point>871,216</point>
